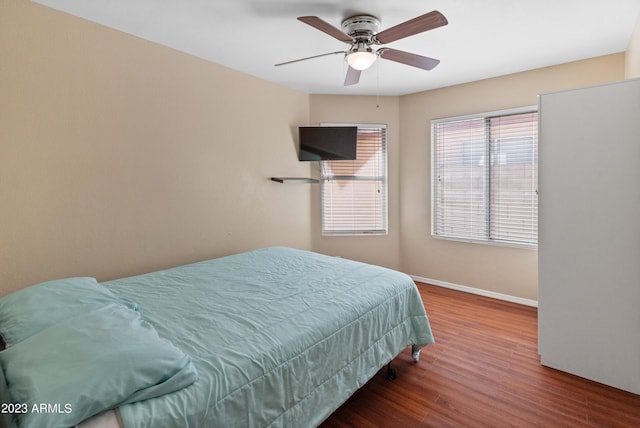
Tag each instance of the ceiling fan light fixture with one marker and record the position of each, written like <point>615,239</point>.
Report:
<point>361,57</point>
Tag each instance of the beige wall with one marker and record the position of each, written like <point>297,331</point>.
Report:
<point>633,53</point>
<point>119,156</point>
<point>381,250</point>
<point>498,269</point>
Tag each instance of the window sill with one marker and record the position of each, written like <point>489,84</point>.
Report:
<point>522,246</point>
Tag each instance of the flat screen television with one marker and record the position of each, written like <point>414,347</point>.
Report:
<point>318,143</point>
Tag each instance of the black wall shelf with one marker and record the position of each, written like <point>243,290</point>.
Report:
<point>285,180</point>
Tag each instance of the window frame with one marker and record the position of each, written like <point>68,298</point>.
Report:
<point>487,150</point>
<point>384,178</point>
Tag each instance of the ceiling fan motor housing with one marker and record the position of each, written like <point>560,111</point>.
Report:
<point>361,27</point>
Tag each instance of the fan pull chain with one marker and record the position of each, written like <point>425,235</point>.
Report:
<point>378,84</point>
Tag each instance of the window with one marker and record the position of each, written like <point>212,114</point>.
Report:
<point>354,192</point>
<point>484,177</point>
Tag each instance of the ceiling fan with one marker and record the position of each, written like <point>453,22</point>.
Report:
<point>361,32</point>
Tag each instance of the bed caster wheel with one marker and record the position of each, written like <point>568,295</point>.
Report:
<point>391,372</point>
<point>415,353</point>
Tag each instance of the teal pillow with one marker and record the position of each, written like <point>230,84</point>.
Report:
<point>92,362</point>
<point>6,419</point>
<point>32,309</point>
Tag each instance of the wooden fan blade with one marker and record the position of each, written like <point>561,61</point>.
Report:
<point>353,76</point>
<point>309,57</point>
<point>325,27</point>
<point>422,23</point>
<point>407,58</point>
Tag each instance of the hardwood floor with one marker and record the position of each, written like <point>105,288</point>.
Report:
<point>483,371</point>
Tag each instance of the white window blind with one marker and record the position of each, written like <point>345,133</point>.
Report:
<point>484,177</point>
<point>354,192</point>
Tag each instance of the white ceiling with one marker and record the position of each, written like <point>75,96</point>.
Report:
<point>484,38</point>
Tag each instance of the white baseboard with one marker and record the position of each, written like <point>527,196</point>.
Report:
<point>467,289</point>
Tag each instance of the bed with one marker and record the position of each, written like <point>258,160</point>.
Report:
<point>275,337</point>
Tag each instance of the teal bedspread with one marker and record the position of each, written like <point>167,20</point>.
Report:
<point>279,337</point>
